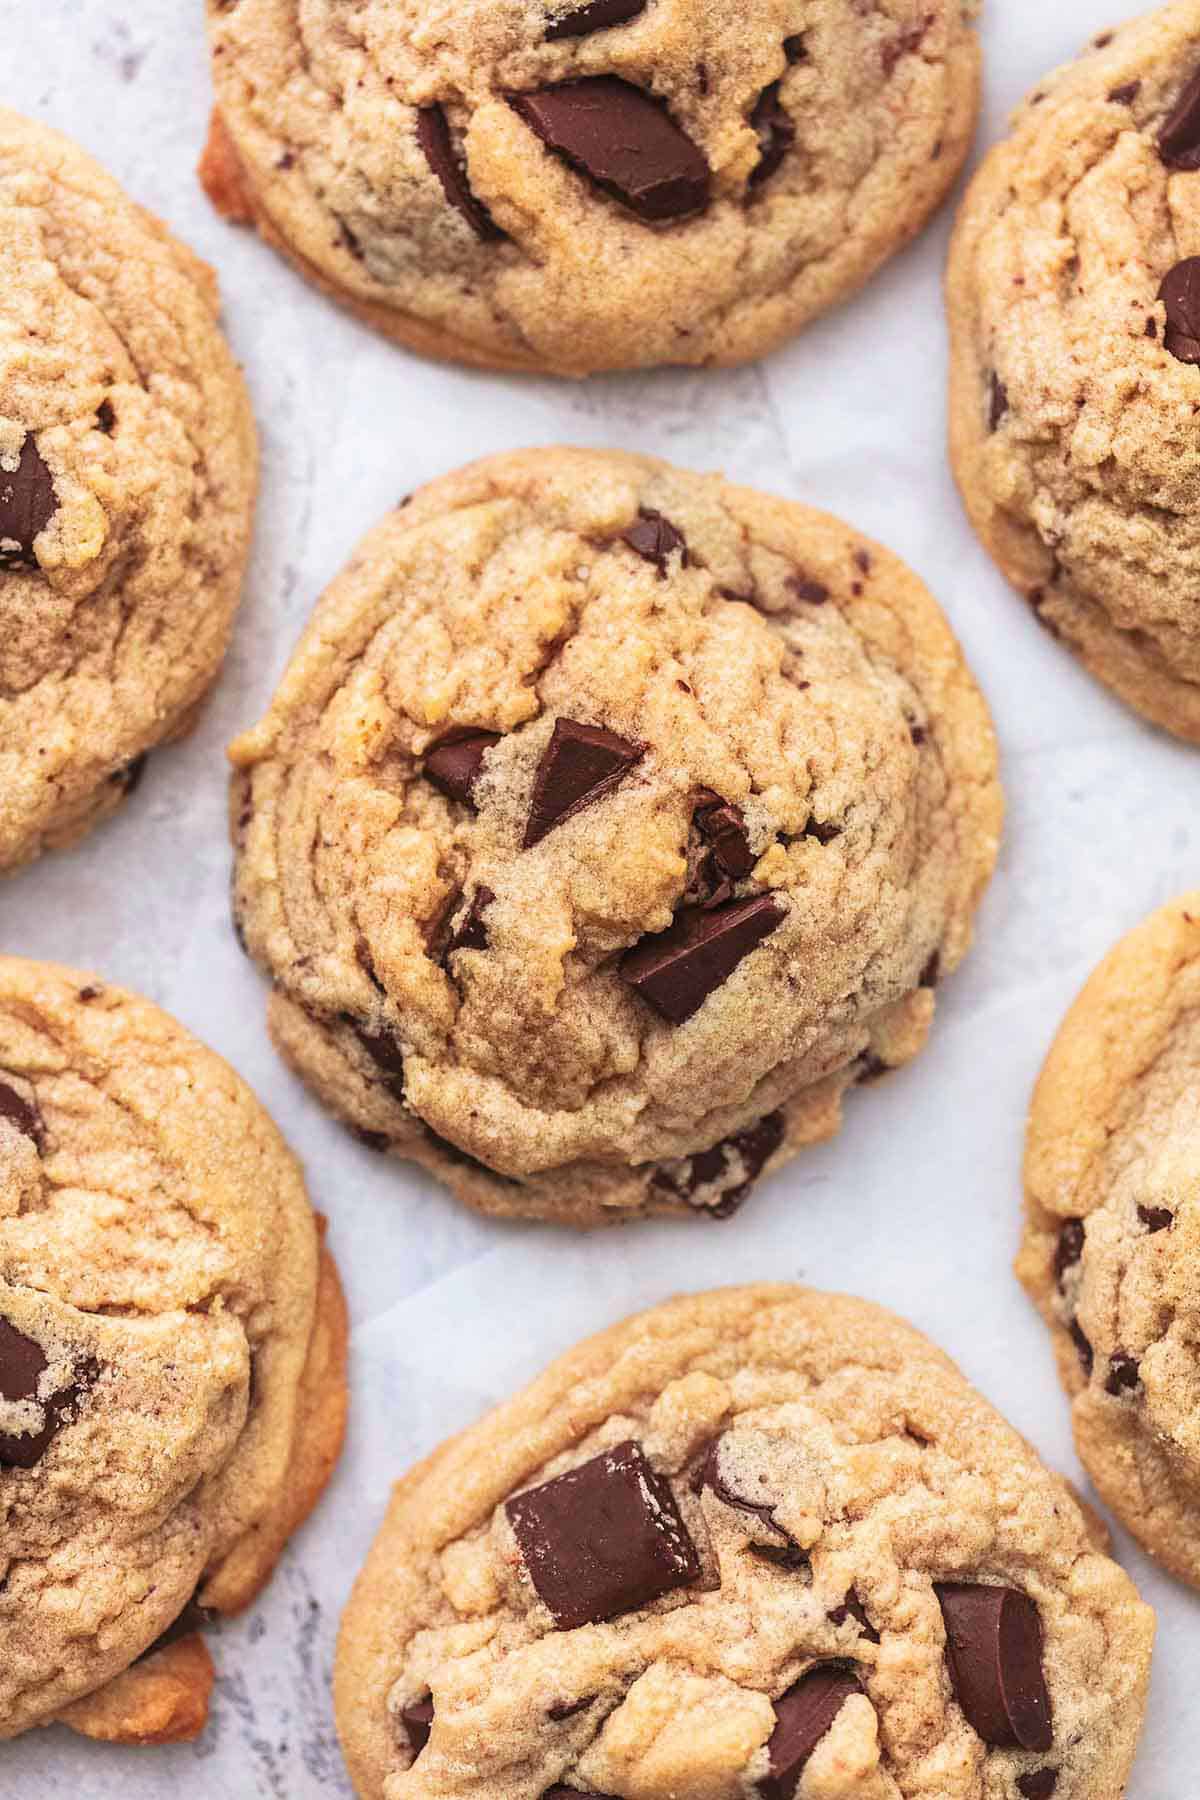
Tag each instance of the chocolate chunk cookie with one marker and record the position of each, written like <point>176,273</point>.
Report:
<point>172,1357</point>
<point>571,185</point>
<point>762,1541</point>
<point>127,476</point>
<point>1112,1238</point>
<point>1075,316</point>
<point>609,823</point>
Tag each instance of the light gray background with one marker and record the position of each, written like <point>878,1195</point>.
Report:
<point>916,1204</point>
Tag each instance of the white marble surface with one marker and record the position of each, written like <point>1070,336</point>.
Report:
<point>916,1204</point>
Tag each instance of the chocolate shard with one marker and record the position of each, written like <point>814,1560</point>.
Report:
<point>580,764</point>
<point>22,1113</point>
<point>22,1362</point>
<point>1179,134</point>
<point>454,765</point>
<point>740,1157</point>
<point>437,147</point>
<point>1039,1785</point>
<point>802,1717</point>
<point>776,133</point>
<point>994,1656</point>
<point>655,539</point>
<point>1180,295</point>
<point>722,1480</point>
<point>1124,1374</point>
<point>417,1719</point>
<point>622,139</point>
<point>676,971</point>
<point>602,1539</point>
<point>852,1608</point>
<point>1156,1218</point>
<point>596,16</point>
<point>472,932</point>
<point>1069,1248</point>
<point>724,825</point>
<point>27,505</point>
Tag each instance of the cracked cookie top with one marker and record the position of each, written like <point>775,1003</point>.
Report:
<point>550,184</point>
<point>1112,1240</point>
<point>158,1318</point>
<point>607,823</point>
<point>127,473</point>
<point>1074,299</point>
<point>759,1542</point>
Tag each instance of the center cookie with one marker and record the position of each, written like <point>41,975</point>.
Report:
<point>588,184</point>
<point>755,1543</point>
<point>607,825</point>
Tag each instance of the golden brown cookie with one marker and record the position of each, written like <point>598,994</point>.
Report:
<point>1112,1236</point>
<point>172,1357</point>
<point>1074,302</point>
<point>566,186</point>
<point>759,1541</point>
<point>127,478</point>
<point>609,823</point>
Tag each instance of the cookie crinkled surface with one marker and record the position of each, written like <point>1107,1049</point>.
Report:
<point>1074,301</point>
<point>172,1357</point>
<point>127,479</point>
<point>608,824</point>
<point>573,187</point>
<point>834,1573</point>
<point>1112,1242</point>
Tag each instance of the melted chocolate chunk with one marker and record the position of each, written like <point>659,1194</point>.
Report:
<point>1179,135</point>
<point>192,1619</point>
<point>21,1113</point>
<point>676,971</point>
<point>1069,1248</point>
<point>455,764</point>
<point>1124,1374</point>
<point>568,1709</point>
<point>418,1722</point>
<point>655,539</point>
<point>997,401</point>
<point>598,15</point>
<point>724,825</point>
<point>384,1052</point>
<point>1180,295</point>
<point>22,1362</point>
<point>1039,1785</point>
<point>721,1483</point>
<point>802,1717</point>
<point>931,973</point>
<point>622,139</point>
<point>472,932</point>
<point>1087,1356</point>
<point>776,134</point>
<point>602,1539</point>
<point>852,1608</point>
<point>1156,1218</point>
<point>1126,95</point>
<point>755,1146</point>
<point>794,48</point>
<point>129,776</point>
<point>580,765</point>
<point>815,593</point>
<point>994,1655</point>
<point>27,505</point>
<point>437,146</point>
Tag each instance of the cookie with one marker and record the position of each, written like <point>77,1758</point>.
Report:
<point>1074,303</point>
<point>1111,1253</point>
<point>565,186</point>
<point>762,1541</point>
<point>172,1357</point>
<point>127,478</point>
<point>608,824</point>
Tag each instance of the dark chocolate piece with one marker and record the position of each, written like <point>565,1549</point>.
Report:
<point>580,764</point>
<point>802,1717</point>
<point>454,765</point>
<point>622,139</point>
<point>437,146</point>
<point>678,970</point>
<point>994,1655</point>
<point>27,505</point>
<point>598,15</point>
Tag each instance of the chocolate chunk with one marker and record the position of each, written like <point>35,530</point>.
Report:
<point>1156,1218</point>
<point>1180,295</point>
<point>21,1113</point>
<point>871,1067</point>
<point>1069,1248</point>
<point>776,133</point>
<point>597,16</point>
<point>455,764</point>
<point>559,1792</point>
<point>129,775</point>
<point>580,764</point>
<point>22,1362</point>
<point>1179,135</point>
<point>724,825</point>
<point>802,1717</point>
<point>994,1654</point>
<point>384,1052</point>
<point>823,833</point>
<point>1124,1373</point>
<point>655,539</point>
<point>567,1709</point>
<point>622,139</point>
<point>106,418</point>
<point>678,970</point>
<point>193,1618</point>
<point>1087,1356</point>
<point>418,1722</point>
<point>997,401</point>
<point>931,973</point>
<point>804,588</point>
<point>755,1146</point>
<point>852,1608</point>
<point>602,1539</point>
<point>794,48</point>
<point>433,135</point>
<point>718,1479</point>
<point>1038,1786</point>
<point>27,505</point>
<point>1126,95</point>
<point>472,933</point>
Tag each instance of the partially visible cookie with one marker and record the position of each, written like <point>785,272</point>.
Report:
<point>1074,301</point>
<point>127,478</point>
<point>762,1541</point>
<point>609,823</point>
<point>172,1357</point>
<point>1112,1236</point>
<point>571,185</point>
